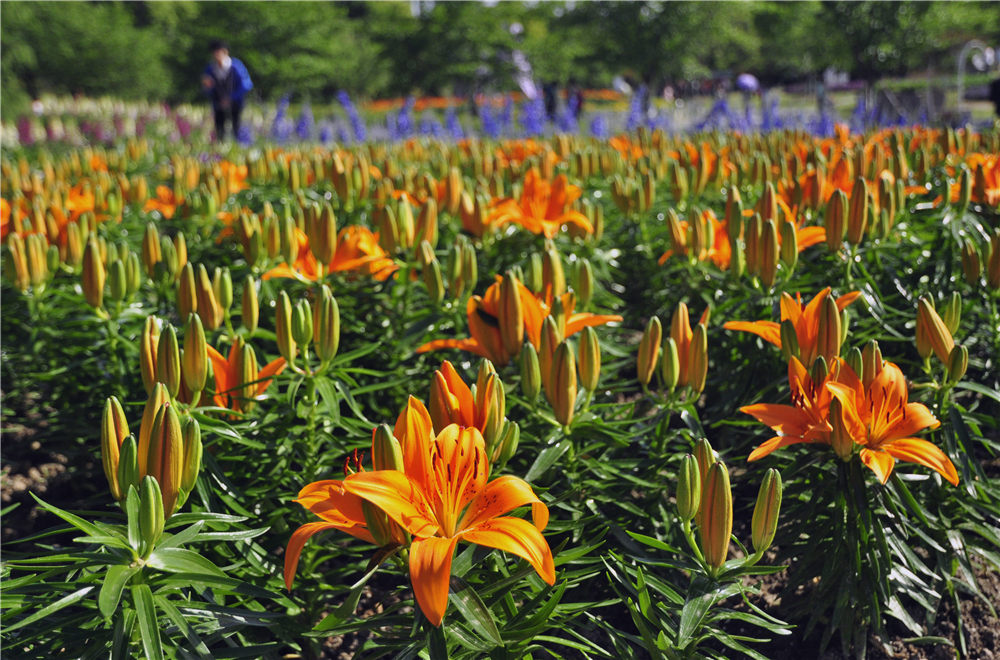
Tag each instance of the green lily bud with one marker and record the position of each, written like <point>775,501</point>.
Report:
<point>222,286</point>
<point>283,328</point>
<point>187,295</point>
<point>590,359</point>
<point>765,513</point>
<point>835,220</point>
<point>378,523</point>
<point>386,451</point>
<point>509,439</point>
<point>553,276</point>
<point>871,359</point>
<point>584,285</point>
<point>698,359</point>
<point>533,279</point>
<point>958,363</point>
<point>133,274</point>
<point>116,281</point>
<point>531,378</point>
<point>195,355</point>
<point>564,383</point>
<point>326,323</point>
<point>820,369</point>
<point>951,314</point>
<point>769,253</point>
<point>192,458</point>
<point>208,306</point>
<point>127,472</point>
<point>289,239</point>
<point>168,361</point>
<point>433,281</point>
<point>151,518</point>
<point>855,360</point>
<point>302,323</point>
<point>789,245</point>
<point>828,342</point>
<point>688,488</point>
<point>247,370</point>
<point>93,275</point>
<point>250,307</point>
<point>670,367</point>
<point>151,254</point>
<point>470,268</point>
<point>965,190</point>
<point>789,341</point>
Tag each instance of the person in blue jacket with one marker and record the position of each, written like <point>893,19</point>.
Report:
<point>226,80</point>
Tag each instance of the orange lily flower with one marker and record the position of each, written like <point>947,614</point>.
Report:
<point>79,201</point>
<point>880,418</point>
<point>806,420</point>
<point>720,253</point>
<point>543,208</point>
<point>451,401</point>
<point>357,250</point>
<point>484,323</point>
<point>805,319</point>
<point>164,202</point>
<point>443,497</point>
<point>227,378</point>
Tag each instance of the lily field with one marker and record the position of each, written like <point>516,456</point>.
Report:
<point>723,394</point>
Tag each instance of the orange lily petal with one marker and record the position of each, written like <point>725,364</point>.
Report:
<point>776,443</point>
<point>578,322</point>
<point>295,545</point>
<point>880,462</point>
<point>502,496</point>
<point>273,368</point>
<point>399,496</point>
<point>430,573</point>
<point>768,330</point>
<point>518,537</point>
<point>914,450</point>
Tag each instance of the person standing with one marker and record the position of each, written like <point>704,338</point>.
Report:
<point>226,80</point>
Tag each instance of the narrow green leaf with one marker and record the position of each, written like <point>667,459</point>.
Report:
<point>121,645</point>
<point>149,629</point>
<point>179,560</point>
<point>182,624</point>
<point>63,602</point>
<point>111,591</point>
<point>468,602</point>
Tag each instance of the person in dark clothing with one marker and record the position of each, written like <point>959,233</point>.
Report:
<point>995,95</point>
<point>226,80</point>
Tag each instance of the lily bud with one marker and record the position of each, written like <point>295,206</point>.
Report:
<point>388,231</point>
<point>531,378</point>
<point>195,356</point>
<point>425,254</point>
<point>855,360</point>
<point>857,218</point>
<point>553,276</point>
<point>753,230</point>
<point>952,313</point>
<point>958,363</point>
<point>769,253</point>
<point>169,268</point>
<point>508,442</point>
<point>590,359</point>
<point>564,383</point>
<point>584,285</point>
<point>246,373</point>
<point>93,275</point>
<point>165,459</point>
<point>491,403</point>
<point>835,220</point>
<point>208,307</point>
<point>289,238</point>
<point>789,245</point>
<point>187,298</point>
<point>386,451</point>
<point>302,323</point>
<point>932,333</point>
<point>74,244</point>
<point>283,328</point>
<point>148,343</point>
<point>829,339</point>
<point>168,361</point>
<point>688,488</point>
<point>133,274</point>
<point>550,339</point>
<point>820,369</point>
<point>114,430</point>
<point>841,439</point>
<point>765,512</point>
<point>649,350</point>
<point>378,523</point>
<point>323,242</point>
<point>326,324</point>
<point>250,308</point>
<point>993,262</point>
<point>151,517</point>
<point>698,359</point>
<point>716,516</point>
<point>222,287</point>
<point>971,264</point>
<point>511,315</point>
<point>151,254</point>
<point>116,281</point>
<point>17,262</point>
<point>670,366</point>
<point>127,471</point>
<point>427,223</point>
<point>193,449</point>
<point>734,214</point>
<point>789,341</point>
<point>433,281</point>
<point>871,359</point>
<point>470,268</point>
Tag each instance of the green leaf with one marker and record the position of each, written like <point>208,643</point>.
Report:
<point>701,596</point>
<point>350,603</point>
<point>468,602</point>
<point>78,522</point>
<point>121,645</point>
<point>546,459</point>
<point>200,582</point>
<point>437,646</point>
<point>132,510</point>
<point>111,591</point>
<point>149,628</point>
<point>181,538</point>
<point>653,543</point>
<point>179,560</point>
<point>188,518</point>
<point>178,620</point>
<point>63,602</point>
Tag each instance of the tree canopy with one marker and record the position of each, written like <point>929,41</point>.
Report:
<point>155,50</point>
